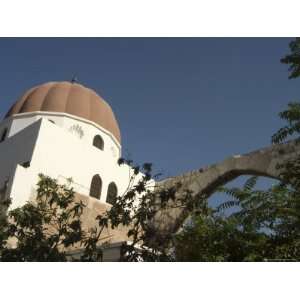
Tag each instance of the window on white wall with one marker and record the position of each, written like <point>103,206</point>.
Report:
<point>98,142</point>
<point>112,193</point>
<point>96,187</point>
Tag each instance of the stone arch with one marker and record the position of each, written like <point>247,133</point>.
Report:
<point>204,181</point>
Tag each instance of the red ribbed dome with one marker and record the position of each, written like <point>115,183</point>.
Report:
<point>70,98</point>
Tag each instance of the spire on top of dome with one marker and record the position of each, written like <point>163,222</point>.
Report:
<point>74,79</point>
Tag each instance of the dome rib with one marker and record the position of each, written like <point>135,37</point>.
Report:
<point>34,101</point>
<point>52,93</point>
<point>24,99</point>
<point>67,99</point>
<point>17,106</point>
<point>70,98</point>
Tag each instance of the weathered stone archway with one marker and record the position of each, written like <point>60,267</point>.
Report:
<point>261,162</point>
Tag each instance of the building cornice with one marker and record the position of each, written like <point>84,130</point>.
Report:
<point>59,114</point>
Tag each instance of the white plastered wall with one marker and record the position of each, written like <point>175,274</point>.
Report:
<point>57,151</point>
<point>17,149</point>
<point>84,129</point>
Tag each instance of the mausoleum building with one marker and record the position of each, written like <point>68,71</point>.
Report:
<point>63,130</point>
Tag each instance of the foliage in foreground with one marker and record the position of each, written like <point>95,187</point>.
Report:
<point>293,59</point>
<point>44,229</point>
<point>49,228</point>
<point>264,227</point>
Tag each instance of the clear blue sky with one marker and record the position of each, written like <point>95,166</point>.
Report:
<point>181,103</point>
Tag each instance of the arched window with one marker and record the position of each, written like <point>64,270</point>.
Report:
<point>98,142</point>
<point>3,135</point>
<point>112,193</point>
<point>96,187</point>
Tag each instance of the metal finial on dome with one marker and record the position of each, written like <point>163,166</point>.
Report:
<point>74,79</point>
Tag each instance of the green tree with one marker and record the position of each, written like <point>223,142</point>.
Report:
<point>293,59</point>
<point>47,228</point>
<point>44,229</point>
<point>264,226</point>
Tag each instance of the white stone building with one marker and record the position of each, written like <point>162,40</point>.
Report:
<point>63,130</point>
